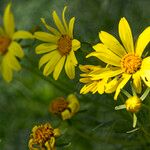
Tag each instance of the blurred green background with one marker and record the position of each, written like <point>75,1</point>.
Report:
<point>24,102</point>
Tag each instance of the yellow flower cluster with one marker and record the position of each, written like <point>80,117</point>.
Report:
<point>124,62</point>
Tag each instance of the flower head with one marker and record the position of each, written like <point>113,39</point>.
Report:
<point>126,60</point>
<point>58,47</point>
<point>65,107</point>
<point>133,104</point>
<point>43,137</point>
<point>10,49</point>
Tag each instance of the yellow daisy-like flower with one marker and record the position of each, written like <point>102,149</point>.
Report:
<point>66,108</point>
<point>92,85</point>
<point>10,49</point>
<point>43,137</point>
<point>125,61</point>
<point>59,47</point>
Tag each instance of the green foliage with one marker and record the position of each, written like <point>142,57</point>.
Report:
<point>25,101</point>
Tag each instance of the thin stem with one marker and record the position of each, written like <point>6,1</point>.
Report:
<point>145,94</point>
<point>125,93</point>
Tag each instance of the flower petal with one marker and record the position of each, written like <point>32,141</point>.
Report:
<point>69,68</point>
<point>16,50</point>
<point>8,20</point>
<point>6,71</point>
<point>137,82</point>
<point>51,29</point>
<point>58,67</point>
<point>142,41</point>
<point>125,79</point>
<point>22,35</point>
<point>145,63</point>
<point>112,43</point>
<point>58,23</point>
<point>104,54</point>
<point>50,66</point>
<point>45,47</point>
<point>126,35</point>
<point>75,44</point>
<point>145,75</point>
<point>73,58</point>
<point>46,37</point>
<point>64,19</point>
<point>71,26</point>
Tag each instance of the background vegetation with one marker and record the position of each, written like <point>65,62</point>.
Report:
<point>24,102</point>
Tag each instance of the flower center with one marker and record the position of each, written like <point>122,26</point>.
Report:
<point>131,63</point>
<point>64,44</point>
<point>43,133</point>
<point>4,43</point>
<point>133,104</point>
<point>58,105</point>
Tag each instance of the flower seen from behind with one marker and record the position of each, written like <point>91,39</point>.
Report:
<point>59,47</point>
<point>10,49</point>
<point>124,60</point>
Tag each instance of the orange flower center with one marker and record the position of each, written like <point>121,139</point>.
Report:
<point>43,133</point>
<point>64,44</point>
<point>131,63</point>
<point>4,43</point>
<point>58,105</point>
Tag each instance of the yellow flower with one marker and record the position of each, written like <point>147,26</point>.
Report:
<point>59,47</point>
<point>92,85</point>
<point>43,137</point>
<point>66,108</point>
<point>10,49</point>
<point>125,61</point>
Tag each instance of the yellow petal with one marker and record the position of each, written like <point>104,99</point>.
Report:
<point>111,86</point>
<point>50,66</point>
<point>71,26</point>
<point>126,35</point>
<point>16,50</point>
<point>57,132</point>
<point>58,67</point>
<point>145,75</point>
<point>75,44</point>
<point>142,41</point>
<point>51,29</point>
<point>22,35</point>
<point>69,68</point>
<point>6,71</point>
<point>8,20</point>
<point>108,74</point>
<point>58,23</point>
<point>13,62</point>
<point>46,37</point>
<point>64,19</point>
<point>73,58</point>
<point>125,79</point>
<point>112,43</point>
<point>73,103</point>
<point>66,114</point>
<point>137,82</point>
<point>45,47</point>
<point>145,63</point>
<point>104,54</point>
<point>45,58</point>
<point>50,145</point>
<point>101,86</point>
